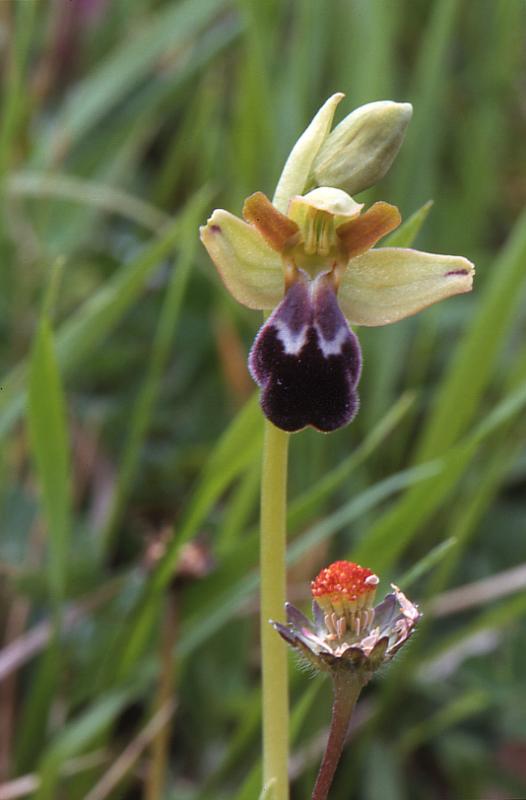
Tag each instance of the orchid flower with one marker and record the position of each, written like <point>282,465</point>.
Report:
<point>311,260</point>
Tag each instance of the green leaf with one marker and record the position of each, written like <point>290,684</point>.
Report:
<point>238,448</point>
<point>405,235</point>
<point>387,781</point>
<point>49,440</point>
<point>428,95</point>
<point>87,193</point>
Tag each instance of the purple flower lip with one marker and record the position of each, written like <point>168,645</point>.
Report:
<point>307,360</point>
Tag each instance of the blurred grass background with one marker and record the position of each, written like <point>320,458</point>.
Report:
<point>131,433</point>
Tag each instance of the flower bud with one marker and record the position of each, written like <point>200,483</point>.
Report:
<point>361,149</point>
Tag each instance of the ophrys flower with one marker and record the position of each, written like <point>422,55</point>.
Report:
<point>315,265</point>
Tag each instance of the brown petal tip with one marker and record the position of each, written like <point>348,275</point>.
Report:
<point>279,231</point>
<point>360,234</point>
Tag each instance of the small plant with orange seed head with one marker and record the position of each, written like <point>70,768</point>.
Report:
<point>349,638</point>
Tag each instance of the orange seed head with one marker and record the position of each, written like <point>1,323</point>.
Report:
<point>344,588</point>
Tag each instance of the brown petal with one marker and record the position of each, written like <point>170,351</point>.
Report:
<point>361,233</point>
<point>280,232</point>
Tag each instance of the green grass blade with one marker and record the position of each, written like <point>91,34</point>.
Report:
<point>99,315</point>
<point>239,446</point>
<point>300,711</point>
<point>455,407</point>
<point>461,708</point>
<point>105,86</point>
<point>405,235</point>
<point>470,512</point>
<point>35,710</point>
<point>305,506</point>
<point>369,70</point>
<point>435,556</point>
<point>14,99</point>
<point>197,627</point>
<point>497,617</point>
<point>49,438</point>
<point>389,780</point>
<point>363,502</point>
<point>143,410</point>
<point>240,509</point>
<point>418,165</point>
<point>87,193</point>
<point>395,530</point>
<point>76,736</point>
<point>473,362</point>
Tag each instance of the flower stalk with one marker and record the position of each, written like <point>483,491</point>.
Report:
<point>273,588</point>
<point>346,689</point>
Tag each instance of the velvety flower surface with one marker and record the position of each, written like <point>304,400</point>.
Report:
<point>348,632</point>
<point>313,262</point>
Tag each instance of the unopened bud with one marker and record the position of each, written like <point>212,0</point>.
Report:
<point>361,149</point>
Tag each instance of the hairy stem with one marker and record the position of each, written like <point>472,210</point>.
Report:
<point>346,691</point>
<point>273,585</point>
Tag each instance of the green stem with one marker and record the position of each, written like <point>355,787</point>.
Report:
<point>273,586</point>
<point>346,692</point>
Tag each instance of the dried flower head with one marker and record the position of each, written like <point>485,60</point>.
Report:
<point>348,632</point>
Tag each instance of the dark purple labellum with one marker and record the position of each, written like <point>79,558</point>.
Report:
<point>307,361</point>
